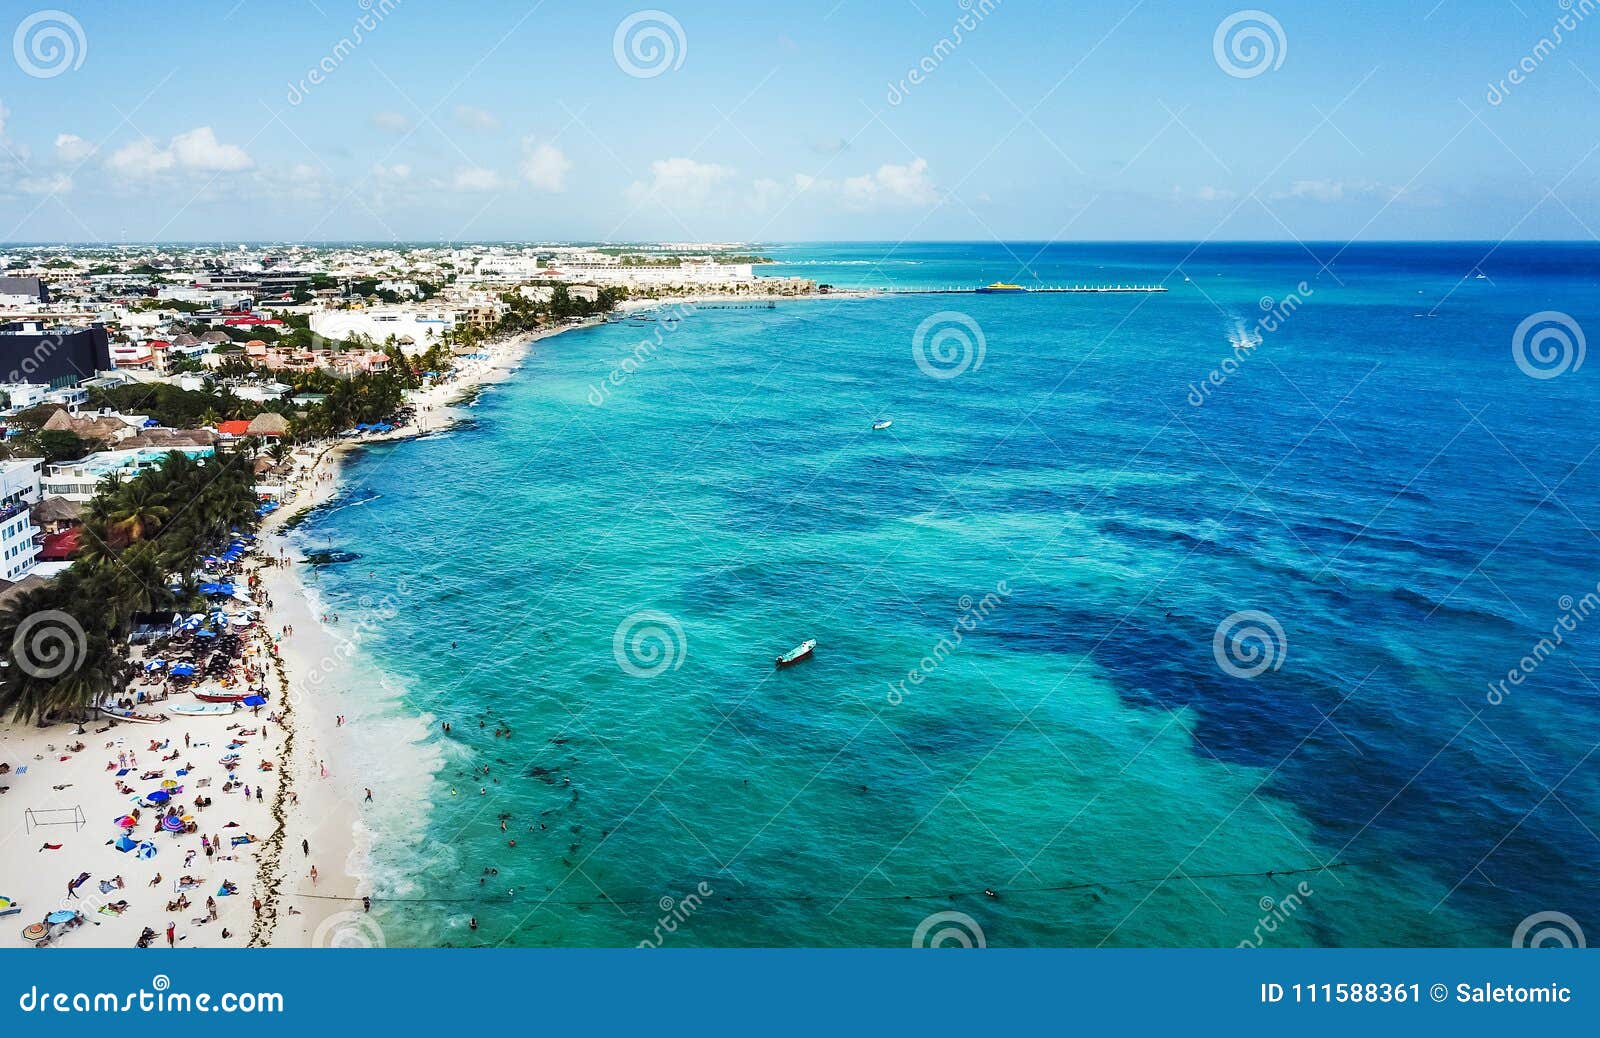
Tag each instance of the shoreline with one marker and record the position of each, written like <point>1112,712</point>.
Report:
<point>301,661</point>
<point>330,818</point>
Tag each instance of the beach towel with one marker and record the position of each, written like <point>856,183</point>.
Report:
<point>123,772</point>
<point>237,840</point>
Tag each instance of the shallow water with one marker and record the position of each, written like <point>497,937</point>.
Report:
<point>1049,540</point>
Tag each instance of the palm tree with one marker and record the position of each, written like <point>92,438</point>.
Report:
<point>140,509</point>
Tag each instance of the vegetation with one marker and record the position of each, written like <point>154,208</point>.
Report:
<point>65,643</point>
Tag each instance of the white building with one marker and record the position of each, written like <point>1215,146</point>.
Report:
<point>23,395</point>
<point>422,326</point>
<point>260,392</point>
<point>77,480</point>
<point>19,489</point>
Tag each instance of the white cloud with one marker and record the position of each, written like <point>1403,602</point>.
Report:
<point>141,158</point>
<point>394,122</point>
<point>544,166</point>
<point>1330,191</point>
<point>679,182</point>
<point>55,184</point>
<point>470,118</point>
<point>398,171</point>
<point>892,185</point>
<point>1204,193</point>
<point>72,148</point>
<point>476,178</point>
<point>200,149</point>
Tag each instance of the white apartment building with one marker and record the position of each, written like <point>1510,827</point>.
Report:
<point>422,326</point>
<point>23,395</point>
<point>19,489</point>
<point>78,480</point>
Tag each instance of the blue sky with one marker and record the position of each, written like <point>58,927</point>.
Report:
<point>798,121</point>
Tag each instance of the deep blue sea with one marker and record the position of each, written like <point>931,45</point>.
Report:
<point>1140,602</point>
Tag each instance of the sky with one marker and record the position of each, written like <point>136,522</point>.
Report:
<point>410,120</point>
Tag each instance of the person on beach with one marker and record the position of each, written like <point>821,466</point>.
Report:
<point>172,934</point>
<point>305,847</point>
<point>313,875</point>
<point>256,904</point>
<point>369,795</point>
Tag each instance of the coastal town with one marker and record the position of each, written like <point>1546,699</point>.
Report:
<point>168,414</point>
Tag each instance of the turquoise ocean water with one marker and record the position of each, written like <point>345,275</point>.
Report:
<point>1017,590</point>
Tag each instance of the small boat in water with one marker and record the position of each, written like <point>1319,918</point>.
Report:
<point>796,654</point>
<point>1000,287</point>
<point>883,424</point>
<point>202,709</point>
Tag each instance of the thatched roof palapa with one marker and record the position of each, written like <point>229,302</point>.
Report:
<point>56,510</point>
<point>269,423</point>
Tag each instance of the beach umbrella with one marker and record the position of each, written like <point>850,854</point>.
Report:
<point>127,821</point>
<point>254,701</point>
<point>124,844</point>
<point>158,796</point>
<point>169,784</point>
<point>146,851</point>
<point>172,824</point>
<point>35,933</point>
<point>60,915</point>
<point>205,634</point>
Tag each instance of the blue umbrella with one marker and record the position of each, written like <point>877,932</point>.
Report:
<point>254,701</point>
<point>146,851</point>
<point>205,634</point>
<point>159,796</point>
<point>183,670</point>
<point>60,915</point>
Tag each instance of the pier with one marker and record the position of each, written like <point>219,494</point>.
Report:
<point>1049,289</point>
